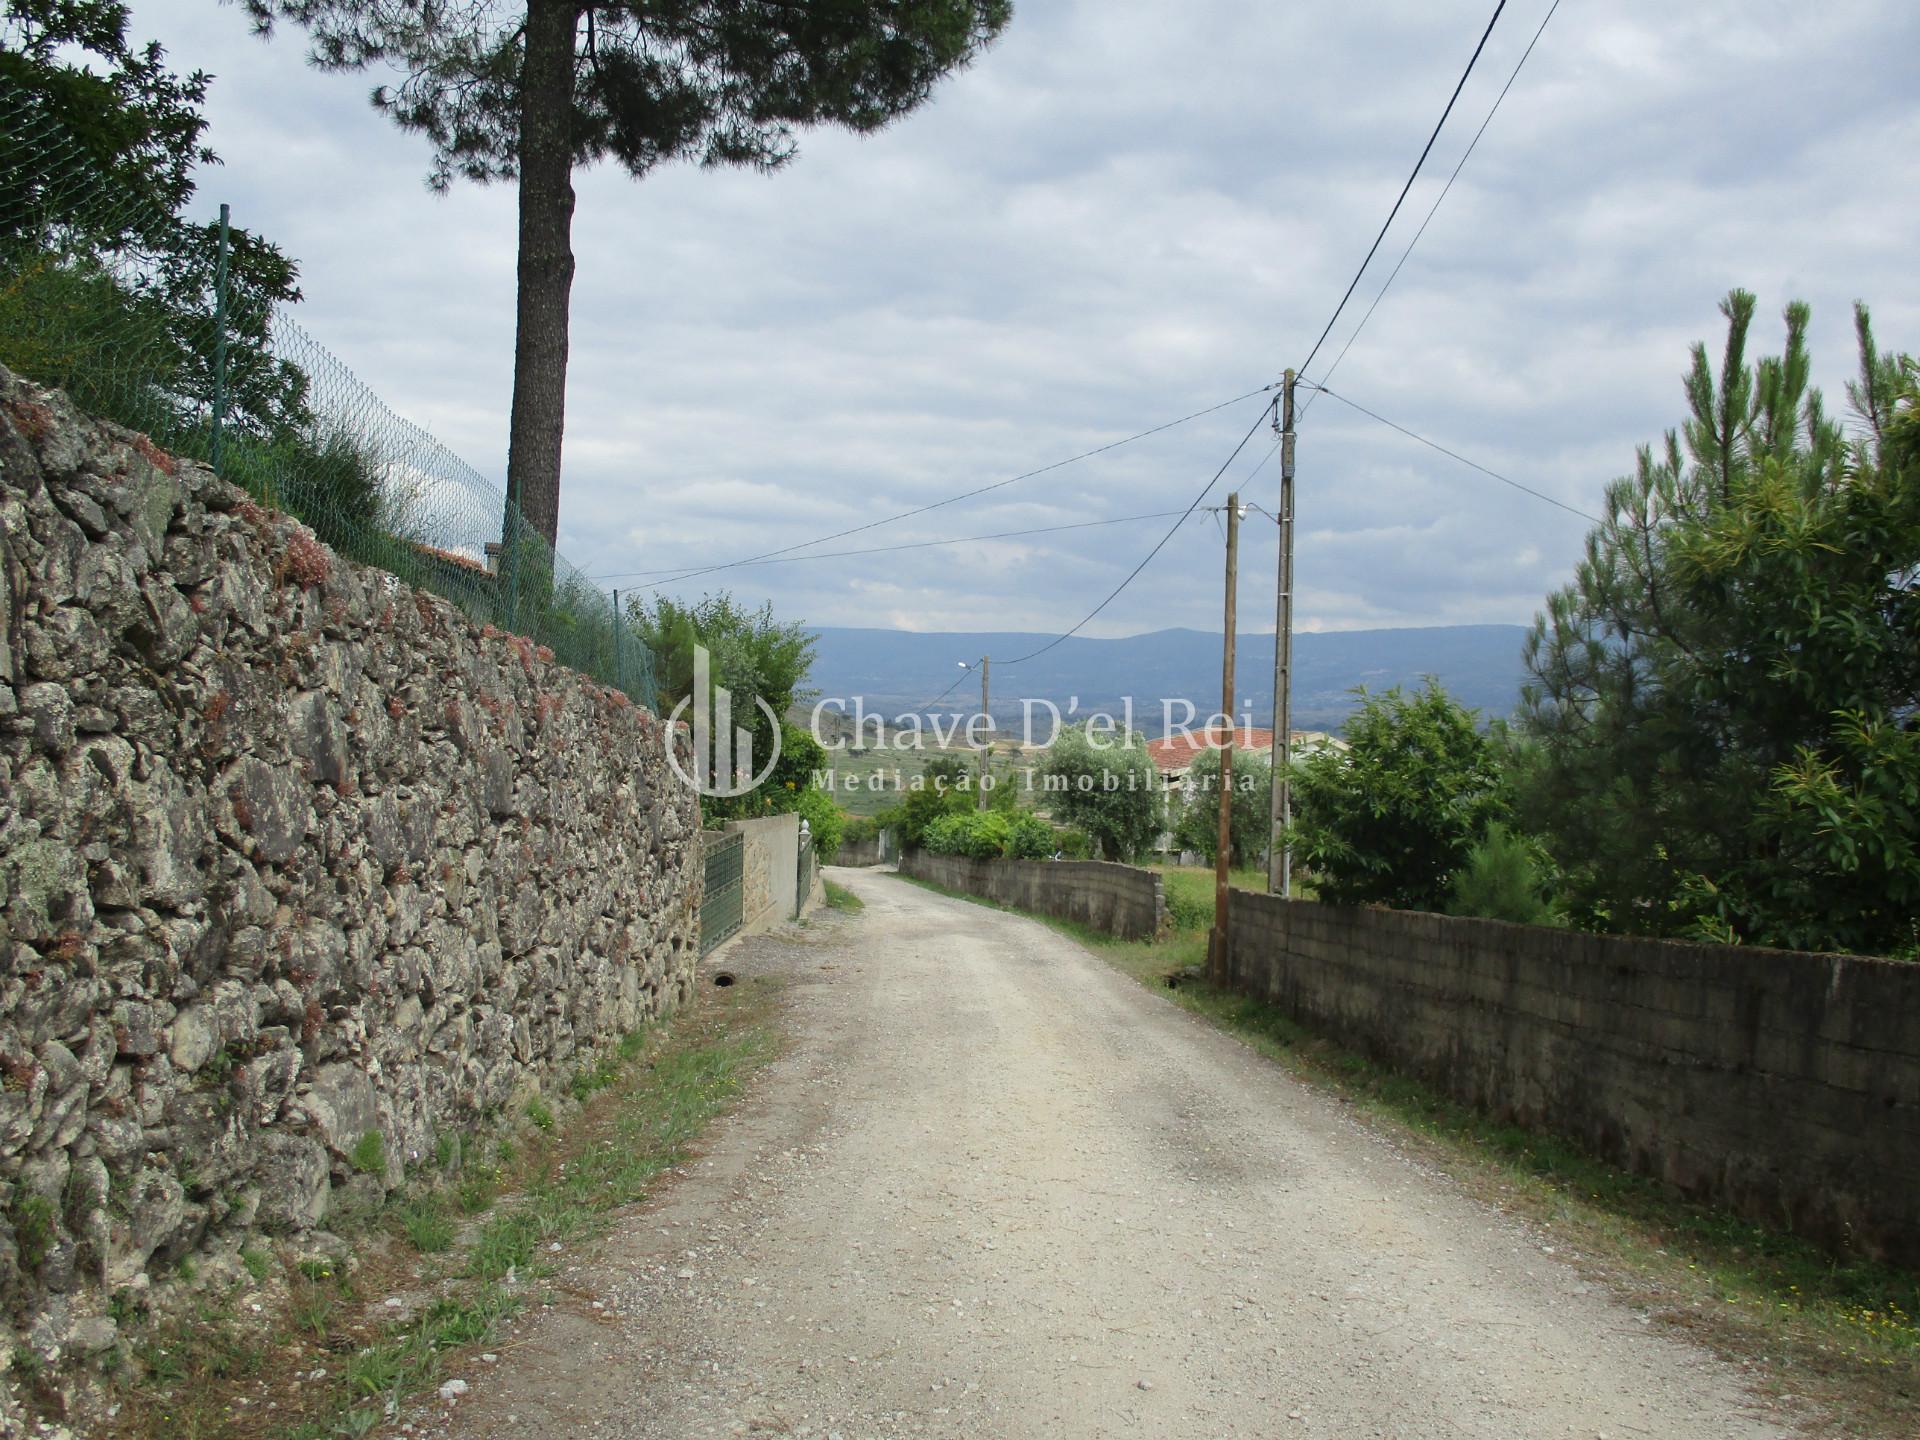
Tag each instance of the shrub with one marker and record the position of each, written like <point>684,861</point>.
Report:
<point>1390,820</point>
<point>937,798</point>
<point>990,835</point>
<point>824,819</point>
<point>1502,880</point>
<point>976,834</point>
<point>1073,843</point>
<point>1029,838</point>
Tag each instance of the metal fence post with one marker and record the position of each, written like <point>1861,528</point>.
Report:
<point>511,554</point>
<point>619,676</point>
<point>220,339</point>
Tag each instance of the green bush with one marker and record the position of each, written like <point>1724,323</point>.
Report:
<point>1503,879</point>
<point>328,481</point>
<point>70,325</point>
<point>1029,838</point>
<point>1073,843</point>
<point>824,819</point>
<point>1389,820</point>
<point>935,800</point>
<point>976,834</point>
<point>990,835</point>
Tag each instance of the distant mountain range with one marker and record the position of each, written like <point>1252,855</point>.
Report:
<point>896,671</point>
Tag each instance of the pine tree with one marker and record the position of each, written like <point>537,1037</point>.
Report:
<point>1724,698</point>
<point>531,91</point>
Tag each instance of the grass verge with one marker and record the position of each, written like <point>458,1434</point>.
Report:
<point>464,1250</point>
<point>1844,1333</point>
<point>841,898</point>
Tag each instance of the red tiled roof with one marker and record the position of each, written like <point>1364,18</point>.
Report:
<point>1177,752</point>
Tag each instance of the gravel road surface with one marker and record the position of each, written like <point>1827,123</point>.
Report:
<point>994,1188</point>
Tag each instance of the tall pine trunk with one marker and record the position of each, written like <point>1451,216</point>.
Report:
<point>545,268</point>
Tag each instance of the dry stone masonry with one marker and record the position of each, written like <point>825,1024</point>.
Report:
<point>300,871</point>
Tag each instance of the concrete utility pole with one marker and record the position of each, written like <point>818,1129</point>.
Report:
<point>1279,855</point>
<point>986,753</point>
<point>1217,944</point>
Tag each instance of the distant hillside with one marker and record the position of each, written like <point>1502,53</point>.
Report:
<point>895,671</point>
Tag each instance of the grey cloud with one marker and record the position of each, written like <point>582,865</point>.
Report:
<point>1124,212</point>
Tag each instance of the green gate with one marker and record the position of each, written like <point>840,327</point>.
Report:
<point>720,905</point>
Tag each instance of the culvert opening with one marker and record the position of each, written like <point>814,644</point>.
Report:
<point>723,979</point>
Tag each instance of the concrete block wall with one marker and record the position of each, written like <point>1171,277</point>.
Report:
<point>1121,900</point>
<point>880,848</point>
<point>1783,1086</point>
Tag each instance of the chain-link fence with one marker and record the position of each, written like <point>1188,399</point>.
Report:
<point>182,330</point>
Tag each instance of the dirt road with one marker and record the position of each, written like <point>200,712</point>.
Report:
<point>996,1189</point>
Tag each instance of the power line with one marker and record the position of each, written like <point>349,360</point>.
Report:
<point>1405,188</point>
<point>1114,594</point>
<point>916,544</point>
<point>1438,201</point>
<point>966,672</point>
<point>1184,515</point>
<point>949,500</point>
<point>1400,200</point>
<point>1456,455</point>
<point>1260,464</point>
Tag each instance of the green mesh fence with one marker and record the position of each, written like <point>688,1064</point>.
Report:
<point>182,330</point>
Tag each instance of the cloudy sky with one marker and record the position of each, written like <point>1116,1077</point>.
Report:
<point>1127,211</point>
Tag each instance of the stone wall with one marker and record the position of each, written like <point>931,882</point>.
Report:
<point>1783,1086</point>
<point>1121,900</point>
<point>300,871</point>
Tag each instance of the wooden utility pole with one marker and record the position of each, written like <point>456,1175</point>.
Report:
<point>986,753</point>
<point>1279,854</point>
<point>1218,945</point>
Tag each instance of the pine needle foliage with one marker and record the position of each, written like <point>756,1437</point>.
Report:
<point>1724,699</point>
